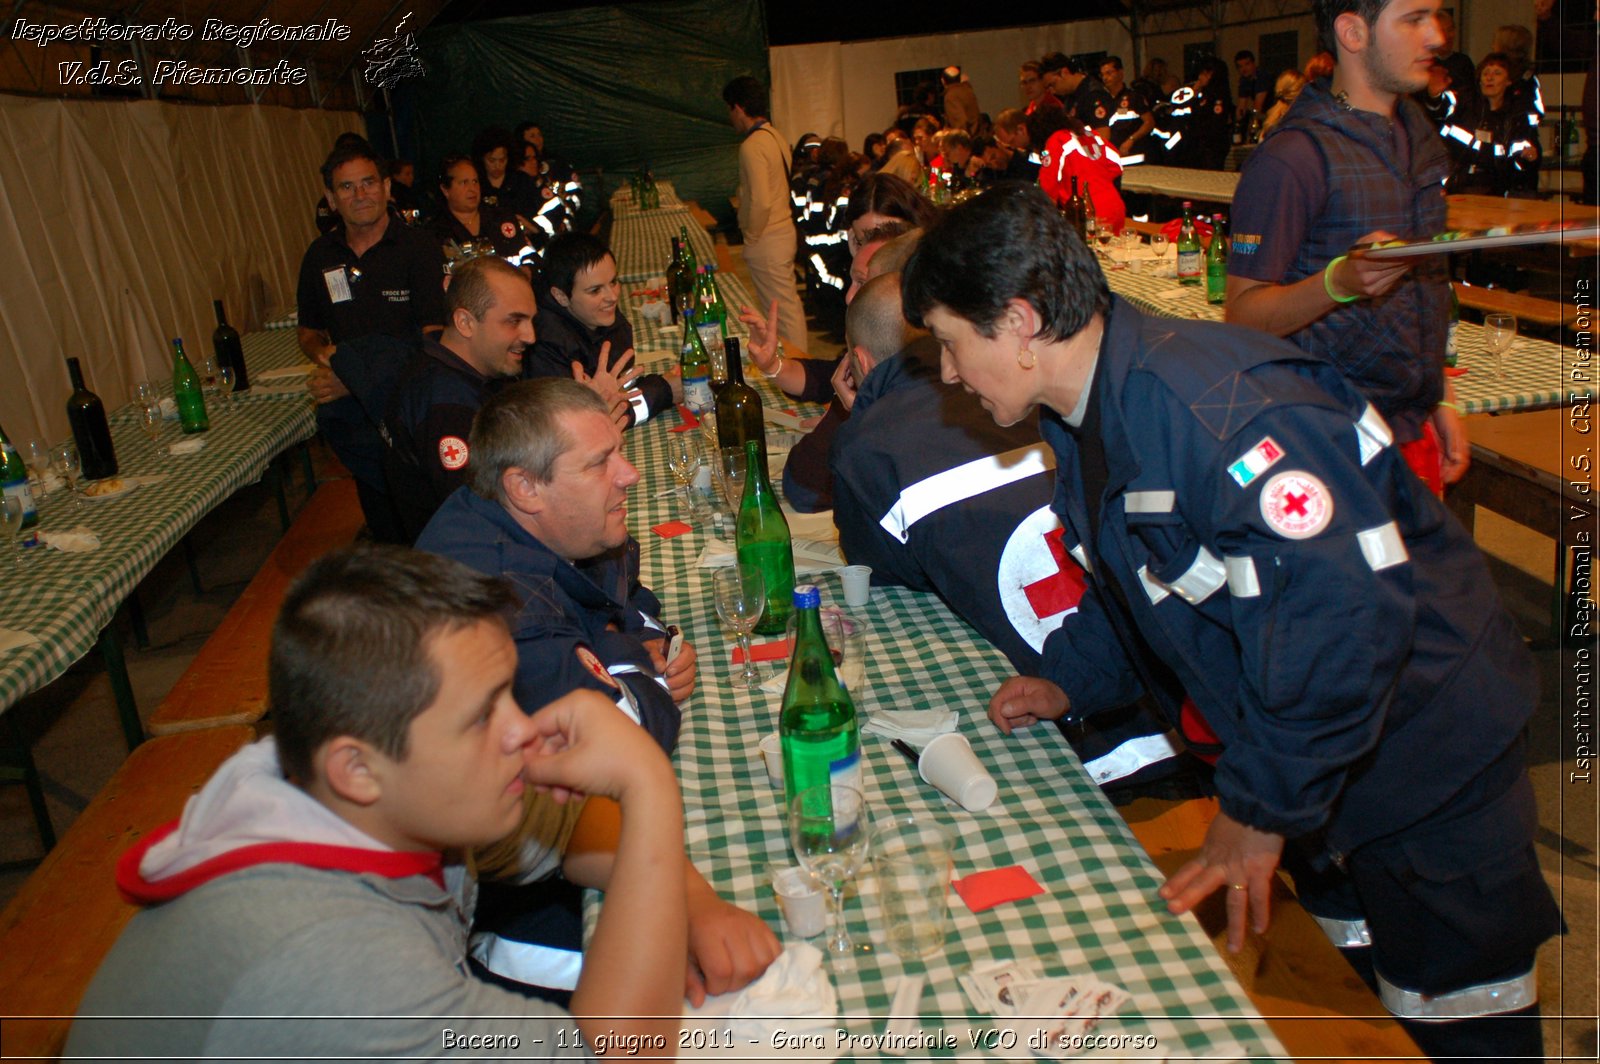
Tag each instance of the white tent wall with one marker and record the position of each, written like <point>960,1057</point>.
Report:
<point>125,219</point>
<point>847,90</point>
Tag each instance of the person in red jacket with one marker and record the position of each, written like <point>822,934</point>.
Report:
<point>1072,150</point>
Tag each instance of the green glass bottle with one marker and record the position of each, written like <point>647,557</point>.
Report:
<point>689,259</point>
<point>817,725</point>
<point>14,482</point>
<point>1217,263</point>
<point>674,279</point>
<point>761,541</point>
<point>712,329</point>
<point>696,369</point>
<point>1190,267</point>
<point>739,416</point>
<point>186,392</point>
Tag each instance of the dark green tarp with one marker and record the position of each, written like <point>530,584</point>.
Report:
<point>612,87</point>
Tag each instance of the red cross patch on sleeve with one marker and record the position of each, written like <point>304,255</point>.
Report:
<point>1296,505</point>
<point>452,452</point>
<point>508,230</point>
<point>587,658</point>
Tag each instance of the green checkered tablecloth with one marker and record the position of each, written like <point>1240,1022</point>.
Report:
<point>642,242</point>
<point>66,599</point>
<point>1099,913</point>
<point>1537,373</point>
<point>1209,186</point>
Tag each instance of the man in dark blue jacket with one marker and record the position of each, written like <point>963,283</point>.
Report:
<point>582,334</point>
<point>546,509</point>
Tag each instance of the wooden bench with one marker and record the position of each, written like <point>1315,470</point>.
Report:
<point>226,683</point>
<point>1309,995</point>
<point>55,933</point>
<point>1525,308</point>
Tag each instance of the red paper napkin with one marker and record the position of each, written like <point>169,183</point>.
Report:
<point>985,890</point>
<point>775,650</point>
<point>689,420</point>
<point>670,529</point>
<point>1455,371</point>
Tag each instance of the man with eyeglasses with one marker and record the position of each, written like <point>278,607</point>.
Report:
<point>368,291</point>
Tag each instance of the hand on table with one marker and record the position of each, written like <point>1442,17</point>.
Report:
<point>325,385</point>
<point>1025,700</point>
<point>728,947</point>
<point>1239,858</point>
<point>680,673</point>
<point>1369,277</point>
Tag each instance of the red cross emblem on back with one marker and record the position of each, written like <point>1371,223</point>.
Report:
<point>452,452</point>
<point>1061,590</point>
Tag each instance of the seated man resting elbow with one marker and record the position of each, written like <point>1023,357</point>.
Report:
<point>320,873</point>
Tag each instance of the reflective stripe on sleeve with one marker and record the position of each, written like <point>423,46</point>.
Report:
<point>1080,556</point>
<point>1345,934</point>
<point>1150,502</point>
<point>1201,580</point>
<point>1372,433</point>
<point>1382,546</point>
<point>928,496</point>
<point>1485,999</point>
<point>1153,588</point>
<point>1242,581</point>
<point>641,409</point>
<point>1132,160</point>
<point>1130,757</point>
<point>528,962</point>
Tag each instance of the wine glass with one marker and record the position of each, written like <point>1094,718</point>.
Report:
<point>225,378</point>
<point>741,596</point>
<point>64,460</point>
<point>1158,247</point>
<point>828,829</point>
<point>143,392</point>
<point>731,470</point>
<point>1104,237</point>
<point>11,515</point>
<point>208,381</point>
<point>150,420</point>
<point>37,456</point>
<point>1499,332</point>
<point>683,459</point>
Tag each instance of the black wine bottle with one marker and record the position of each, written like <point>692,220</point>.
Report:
<point>739,415</point>
<point>229,348</point>
<point>89,429</point>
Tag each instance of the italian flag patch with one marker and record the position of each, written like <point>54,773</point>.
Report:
<point>1257,460</point>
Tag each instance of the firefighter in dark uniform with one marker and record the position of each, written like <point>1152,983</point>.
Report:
<point>1081,93</point>
<point>583,334</point>
<point>464,220</point>
<point>490,310</point>
<point>936,497</point>
<point>367,295</point>
<point>1253,537</point>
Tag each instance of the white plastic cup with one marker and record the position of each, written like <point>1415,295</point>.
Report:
<point>772,754</point>
<point>805,910</point>
<point>911,857</point>
<point>950,764</point>
<point>857,581</point>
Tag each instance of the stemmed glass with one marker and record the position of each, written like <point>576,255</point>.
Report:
<point>1158,247</point>
<point>828,829</point>
<point>64,460</point>
<point>1499,332</point>
<point>143,392</point>
<point>741,595</point>
<point>225,383</point>
<point>150,421</point>
<point>11,511</point>
<point>683,458</point>
<point>730,470</point>
<point>208,381</point>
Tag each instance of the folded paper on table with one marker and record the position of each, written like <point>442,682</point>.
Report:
<point>818,527</point>
<point>11,639</point>
<point>810,556</point>
<point>984,890</point>
<point>190,446</point>
<point>915,726</point>
<point>773,650</point>
<point>794,995</point>
<point>78,540</point>
<point>783,419</point>
<point>689,420</point>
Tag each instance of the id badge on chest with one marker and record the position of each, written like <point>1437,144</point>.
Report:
<point>338,285</point>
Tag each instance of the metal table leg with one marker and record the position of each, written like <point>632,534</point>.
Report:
<point>110,644</point>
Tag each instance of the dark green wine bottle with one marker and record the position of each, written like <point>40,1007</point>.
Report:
<point>817,725</point>
<point>186,392</point>
<point>761,538</point>
<point>739,416</point>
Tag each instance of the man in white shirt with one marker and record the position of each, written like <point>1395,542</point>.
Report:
<point>764,218</point>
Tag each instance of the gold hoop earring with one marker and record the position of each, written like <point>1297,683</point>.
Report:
<point>1033,359</point>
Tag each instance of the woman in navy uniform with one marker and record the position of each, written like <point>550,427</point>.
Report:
<point>1252,537</point>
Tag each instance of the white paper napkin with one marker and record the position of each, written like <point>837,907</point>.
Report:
<point>795,994</point>
<point>916,726</point>
<point>78,540</point>
<point>810,556</point>
<point>190,446</point>
<point>11,638</point>
<point>817,526</point>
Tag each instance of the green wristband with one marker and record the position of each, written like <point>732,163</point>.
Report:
<point>1327,282</point>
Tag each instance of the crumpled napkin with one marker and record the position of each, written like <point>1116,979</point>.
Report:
<point>916,726</point>
<point>190,446</point>
<point>12,638</point>
<point>810,556</point>
<point>794,994</point>
<point>78,540</point>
